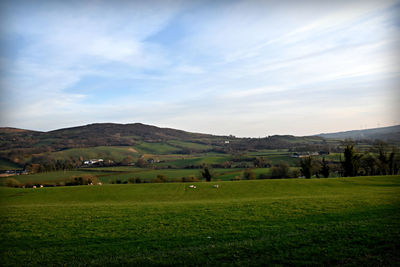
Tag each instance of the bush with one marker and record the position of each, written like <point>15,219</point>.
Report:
<point>11,182</point>
<point>280,171</point>
<point>160,178</point>
<point>28,185</point>
<point>134,180</point>
<point>249,175</point>
<point>81,180</point>
<point>295,173</point>
<point>236,178</point>
<point>189,179</point>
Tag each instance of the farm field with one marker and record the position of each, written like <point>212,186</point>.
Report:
<point>123,173</point>
<point>338,221</point>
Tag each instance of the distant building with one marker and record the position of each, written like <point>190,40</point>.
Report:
<point>151,161</point>
<point>304,154</point>
<point>92,161</point>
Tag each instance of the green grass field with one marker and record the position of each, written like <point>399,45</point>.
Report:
<point>123,173</point>
<point>338,221</point>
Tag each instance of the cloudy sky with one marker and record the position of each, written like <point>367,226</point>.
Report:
<point>247,68</point>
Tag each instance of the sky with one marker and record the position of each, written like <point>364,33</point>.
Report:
<point>246,68</point>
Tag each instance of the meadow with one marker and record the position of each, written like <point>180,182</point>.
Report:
<point>336,221</point>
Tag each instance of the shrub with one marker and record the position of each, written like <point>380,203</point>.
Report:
<point>133,180</point>
<point>81,180</point>
<point>280,171</point>
<point>160,178</point>
<point>295,173</point>
<point>11,182</point>
<point>189,179</point>
<point>28,185</point>
<point>236,178</point>
<point>249,175</point>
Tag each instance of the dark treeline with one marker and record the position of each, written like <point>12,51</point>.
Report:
<point>379,161</point>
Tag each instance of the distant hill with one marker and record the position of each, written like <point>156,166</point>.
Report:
<point>113,134</point>
<point>118,141</point>
<point>92,135</point>
<point>391,133</point>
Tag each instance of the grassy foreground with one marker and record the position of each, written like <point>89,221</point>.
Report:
<point>346,221</point>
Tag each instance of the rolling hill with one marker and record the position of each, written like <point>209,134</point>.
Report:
<point>391,133</point>
<point>112,134</point>
<point>116,142</point>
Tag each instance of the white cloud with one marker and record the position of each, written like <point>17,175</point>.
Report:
<point>244,67</point>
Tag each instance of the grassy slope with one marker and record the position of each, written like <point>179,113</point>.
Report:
<point>57,176</point>
<point>110,152</point>
<point>109,174</point>
<point>351,221</point>
<point>6,165</point>
<point>155,148</point>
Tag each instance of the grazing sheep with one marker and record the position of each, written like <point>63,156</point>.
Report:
<point>41,186</point>
<point>34,186</point>
<point>99,183</point>
<point>192,186</point>
<point>216,186</point>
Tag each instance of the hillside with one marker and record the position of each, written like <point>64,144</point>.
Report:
<point>391,133</point>
<point>112,134</point>
<point>92,135</point>
<point>119,142</point>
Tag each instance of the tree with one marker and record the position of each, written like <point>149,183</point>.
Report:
<point>206,173</point>
<point>141,163</point>
<point>306,167</point>
<point>369,164</point>
<point>325,169</point>
<point>127,160</point>
<point>387,163</point>
<point>351,162</point>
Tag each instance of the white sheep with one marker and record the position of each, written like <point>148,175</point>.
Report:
<point>41,186</point>
<point>216,186</point>
<point>192,186</point>
<point>34,186</point>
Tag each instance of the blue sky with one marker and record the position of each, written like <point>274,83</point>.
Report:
<point>247,68</point>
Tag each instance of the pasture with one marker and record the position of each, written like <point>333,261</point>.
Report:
<point>337,221</point>
<point>123,173</point>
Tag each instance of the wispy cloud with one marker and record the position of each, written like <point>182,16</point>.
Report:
<point>248,68</point>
